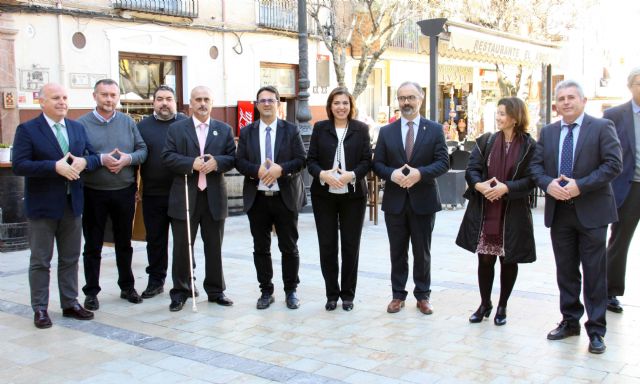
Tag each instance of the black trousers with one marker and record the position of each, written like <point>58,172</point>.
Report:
<point>268,211</point>
<point>346,214</point>
<point>212,232</point>
<point>120,206</point>
<point>402,228</point>
<point>156,223</point>
<point>620,240</point>
<point>573,246</point>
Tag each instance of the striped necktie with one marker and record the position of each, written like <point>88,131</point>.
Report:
<point>61,140</point>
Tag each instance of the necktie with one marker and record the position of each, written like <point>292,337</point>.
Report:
<point>268,154</point>
<point>566,158</point>
<point>202,138</point>
<point>61,140</point>
<point>408,143</point>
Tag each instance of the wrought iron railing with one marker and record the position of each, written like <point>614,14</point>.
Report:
<point>282,15</point>
<point>407,36</point>
<point>182,8</point>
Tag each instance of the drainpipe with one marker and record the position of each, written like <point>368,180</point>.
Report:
<point>225,95</point>
<point>62,79</point>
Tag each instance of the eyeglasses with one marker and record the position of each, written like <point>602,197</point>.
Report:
<point>267,101</point>
<point>402,99</point>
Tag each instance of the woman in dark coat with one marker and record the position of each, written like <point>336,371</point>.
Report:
<point>339,159</point>
<point>497,222</point>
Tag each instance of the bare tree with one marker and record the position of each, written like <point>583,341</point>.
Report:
<point>362,27</point>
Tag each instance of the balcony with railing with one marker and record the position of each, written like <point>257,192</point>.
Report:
<point>179,8</point>
<point>282,15</point>
<point>407,37</point>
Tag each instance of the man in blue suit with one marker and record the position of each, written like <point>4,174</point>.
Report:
<point>51,152</point>
<point>626,189</point>
<point>574,162</point>
<point>410,154</point>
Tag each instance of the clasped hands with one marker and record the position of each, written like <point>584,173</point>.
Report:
<point>70,166</point>
<point>336,177</point>
<point>269,172</point>
<point>558,192</point>
<point>205,164</point>
<point>116,160</point>
<point>492,189</point>
<point>406,176</point>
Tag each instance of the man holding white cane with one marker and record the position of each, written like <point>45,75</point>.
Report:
<point>202,149</point>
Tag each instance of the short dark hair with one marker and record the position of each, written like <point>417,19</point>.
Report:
<point>163,88</point>
<point>105,82</point>
<point>341,91</point>
<point>517,110</point>
<point>268,88</point>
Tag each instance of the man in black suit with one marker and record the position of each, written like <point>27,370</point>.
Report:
<point>51,151</point>
<point>626,188</point>
<point>271,155</point>
<point>203,149</point>
<point>410,154</point>
<point>574,162</point>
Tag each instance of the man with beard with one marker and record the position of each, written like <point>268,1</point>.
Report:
<point>410,154</point>
<point>202,149</point>
<point>156,183</point>
<point>110,190</point>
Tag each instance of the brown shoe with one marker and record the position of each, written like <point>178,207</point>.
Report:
<point>395,306</point>
<point>41,319</point>
<point>77,312</point>
<point>425,306</point>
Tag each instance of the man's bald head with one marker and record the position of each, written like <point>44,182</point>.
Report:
<point>201,102</point>
<point>53,101</point>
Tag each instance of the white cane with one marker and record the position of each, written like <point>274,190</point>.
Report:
<point>193,289</point>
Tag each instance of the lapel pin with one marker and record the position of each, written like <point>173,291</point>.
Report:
<point>215,133</point>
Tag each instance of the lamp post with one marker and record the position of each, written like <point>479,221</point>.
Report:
<point>303,115</point>
<point>432,28</point>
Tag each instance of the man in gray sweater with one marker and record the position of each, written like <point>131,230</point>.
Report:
<point>110,190</point>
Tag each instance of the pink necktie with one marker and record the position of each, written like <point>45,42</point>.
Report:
<point>202,138</point>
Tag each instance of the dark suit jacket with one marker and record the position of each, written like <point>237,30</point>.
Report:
<point>597,160</point>
<point>357,154</point>
<point>178,155</point>
<point>622,117</point>
<point>35,153</point>
<point>429,155</point>
<point>288,152</point>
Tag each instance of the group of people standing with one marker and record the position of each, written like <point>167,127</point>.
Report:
<point>183,160</point>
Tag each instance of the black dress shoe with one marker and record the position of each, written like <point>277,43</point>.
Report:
<point>596,344</point>
<point>221,300</point>
<point>613,304</point>
<point>483,312</point>
<point>292,300</point>
<point>331,305</point>
<point>347,305</point>
<point>151,291</point>
<point>265,301</point>
<point>41,319</point>
<point>564,330</point>
<point>91,302</point>
<point>77,312</point>
<point>177,304</point>
<point>501,316</point>
<point>131,296</point>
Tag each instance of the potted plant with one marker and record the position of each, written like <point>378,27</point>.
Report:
<point>5,153</point>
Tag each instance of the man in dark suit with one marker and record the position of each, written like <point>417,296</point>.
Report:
<point>203,149</point>
<point>626,189</point>
<point>574,162</point>
<point>51,152</point>
<point>410,154</point>
<point>271,155</point>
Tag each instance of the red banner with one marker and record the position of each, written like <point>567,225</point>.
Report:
<point>245,114</point>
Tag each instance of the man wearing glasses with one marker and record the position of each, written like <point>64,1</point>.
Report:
<point>410,154</point>
<point>626,188</point>
<point>271,156</point>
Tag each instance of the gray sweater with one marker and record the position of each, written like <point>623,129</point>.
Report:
<point>122,133</point>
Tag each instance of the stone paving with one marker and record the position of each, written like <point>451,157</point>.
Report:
<point>145,343</point>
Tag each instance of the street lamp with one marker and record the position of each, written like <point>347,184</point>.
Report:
<point>303,115</point>
<point>432,28</point>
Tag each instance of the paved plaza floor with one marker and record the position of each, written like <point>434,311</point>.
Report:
<point>145,343</point>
